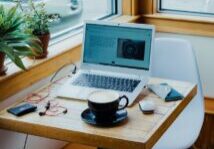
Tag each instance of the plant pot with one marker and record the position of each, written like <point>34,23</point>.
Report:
<point>44,38</point>
<point>2,67</point>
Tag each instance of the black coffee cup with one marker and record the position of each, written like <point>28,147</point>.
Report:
<point>105,104</point>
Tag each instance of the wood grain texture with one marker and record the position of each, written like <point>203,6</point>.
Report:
<point>139,131</point>
<point>206,137</point>
<point>146,6</point>
<point>127,7</point>
<point>179,25</point>
<point>172,23</point>
<point>136,7</point>
<point>209,105</point>
<point>126,18</point>
<point>131,7</point>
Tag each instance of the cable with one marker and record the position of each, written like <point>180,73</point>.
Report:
<point>52,109</point>
<point>25,141</point>
<point>36,98</point>
<point>73,72</point>
<point>48,106</point>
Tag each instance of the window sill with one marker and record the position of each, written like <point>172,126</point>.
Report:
<point>173,23</point>
<point>62,53</point>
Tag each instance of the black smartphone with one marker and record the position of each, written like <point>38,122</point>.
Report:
<point>22,109</point>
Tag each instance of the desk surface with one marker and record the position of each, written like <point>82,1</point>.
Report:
<point>138,132</point>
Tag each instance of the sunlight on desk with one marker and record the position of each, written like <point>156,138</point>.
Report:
<point>139,131</point>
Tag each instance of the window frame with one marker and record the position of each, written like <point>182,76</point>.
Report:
<point>175,23</point>
<point>181,12</point>
<point>74,30</point>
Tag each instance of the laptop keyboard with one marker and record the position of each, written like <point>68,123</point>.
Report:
<point>106,82</point>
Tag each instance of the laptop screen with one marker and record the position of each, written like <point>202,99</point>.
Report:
<point>117,46</point>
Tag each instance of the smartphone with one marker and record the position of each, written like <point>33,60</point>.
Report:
<point>173,95</point>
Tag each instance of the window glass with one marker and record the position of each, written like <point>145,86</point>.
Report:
<point>204,7</point>
<point>66,15</point>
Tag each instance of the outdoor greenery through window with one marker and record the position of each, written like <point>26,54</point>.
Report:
<point>68,15</point>
<point>195,7</point>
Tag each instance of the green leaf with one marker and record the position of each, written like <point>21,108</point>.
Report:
<point>27,49</point>
<point>15,42</point>
<point>36,17</point>
<point>23,50</point>
<point>11,13</point>
<point>24,53</point>
<point>12,55</point>
<point>15,38</point>
<point>31,45</point>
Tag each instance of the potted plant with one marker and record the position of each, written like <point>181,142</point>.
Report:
<point>14,41</point>
<point>36,19</point>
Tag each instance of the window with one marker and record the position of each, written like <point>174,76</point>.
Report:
<point>68,15</point>
<point>197,7</point>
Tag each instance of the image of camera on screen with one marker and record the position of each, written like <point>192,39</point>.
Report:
<point>131,49</point>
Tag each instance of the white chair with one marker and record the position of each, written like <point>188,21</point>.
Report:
<point>175,59</point>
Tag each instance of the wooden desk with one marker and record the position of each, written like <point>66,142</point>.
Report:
<point>138,132</point>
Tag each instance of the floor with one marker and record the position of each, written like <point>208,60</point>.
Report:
<point>206,138</point>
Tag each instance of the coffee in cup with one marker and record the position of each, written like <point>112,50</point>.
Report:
<point>105,104</point>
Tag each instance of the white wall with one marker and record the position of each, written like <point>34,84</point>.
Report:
<point>204,49</point>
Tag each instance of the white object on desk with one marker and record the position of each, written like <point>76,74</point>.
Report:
<point>147,106</point>
<point>160,90</point>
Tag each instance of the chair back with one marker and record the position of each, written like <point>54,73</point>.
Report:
<point>174,58</point>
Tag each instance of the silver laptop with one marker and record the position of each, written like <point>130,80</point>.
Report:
<point>115,57</point>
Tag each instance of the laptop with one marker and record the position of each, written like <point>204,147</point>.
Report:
<point>114,57</point>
